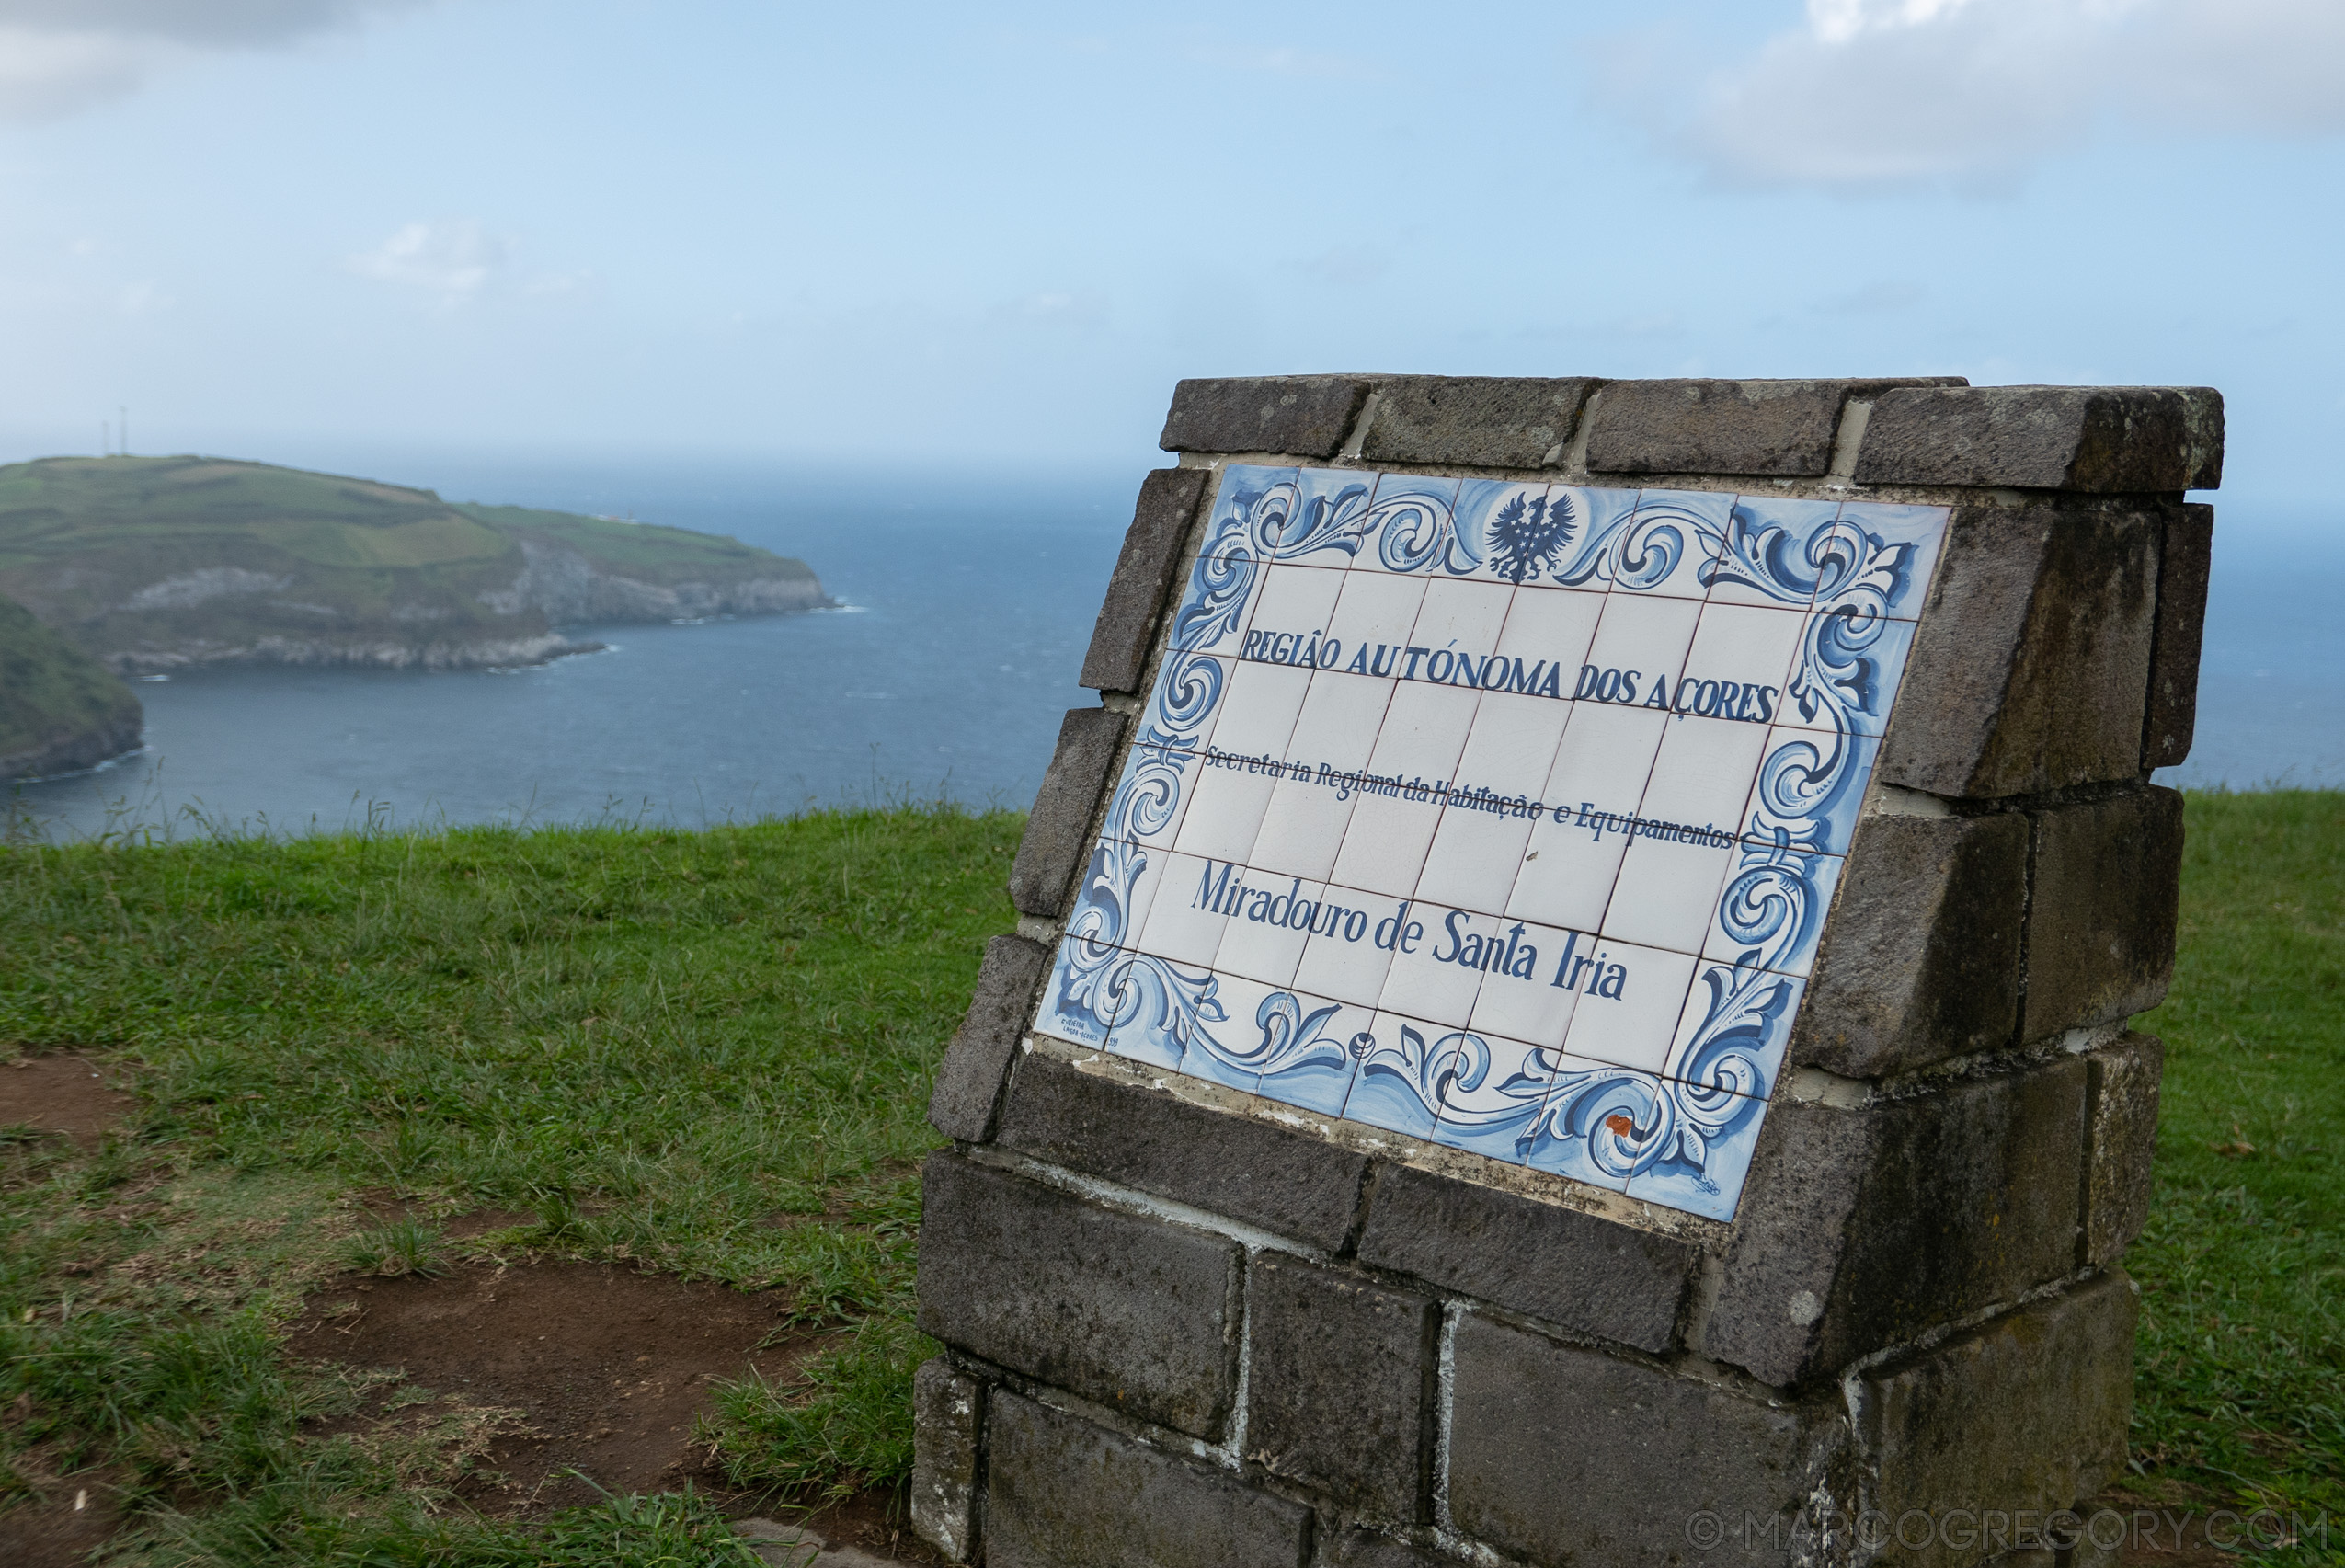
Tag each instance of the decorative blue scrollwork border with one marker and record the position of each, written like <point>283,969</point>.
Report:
<point>1681,1136</point>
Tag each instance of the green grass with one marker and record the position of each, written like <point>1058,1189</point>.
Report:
<point>52,691</point>
<point>2241,1395</point>
<point>653,1041</point>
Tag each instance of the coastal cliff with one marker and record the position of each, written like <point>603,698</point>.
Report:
<point>61,710</point>
<point>154,563</point>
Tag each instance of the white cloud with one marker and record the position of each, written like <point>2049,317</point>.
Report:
<point>1890,94</point>
<point>454,261</point>
<point>59,56</point>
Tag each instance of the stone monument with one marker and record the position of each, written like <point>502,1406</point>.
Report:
<point>1570,1004</point>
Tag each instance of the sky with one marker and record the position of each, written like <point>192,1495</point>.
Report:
<point>319,231</point>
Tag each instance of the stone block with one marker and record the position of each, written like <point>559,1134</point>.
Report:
<point>2121,1121</point>
<point>1921,959</point>
<point>2102,912</point>
<point>1577,1271</point>
<point>2184,558</point>
<point>1135,1313</point>
<point>1862,1229</point>
<point>1061,1493</point>
<point>2096,439</point>
<point>2026,1412</point>
<point>1143,579</point>
<point>1340,1384</point>
<point>1249,1170</point>
<point>1366,1549</point>
<point>1562,1455</point>
<point>1306,416</point>
<point>1783,429</point>
<point>1475,421</point>
<point>948,1409</point>
<point>2031,667</point>
<point>1059,834</point>
<point>968,1081</point>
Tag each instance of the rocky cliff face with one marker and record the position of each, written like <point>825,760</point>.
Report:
<point>61,710</point>
<point>564,586</point>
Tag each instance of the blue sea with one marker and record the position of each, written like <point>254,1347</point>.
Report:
<point>967,602</point>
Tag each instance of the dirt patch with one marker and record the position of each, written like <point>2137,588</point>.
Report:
<point>64,1096</point>
<point>606,1366</point>
<point>63,1522</point>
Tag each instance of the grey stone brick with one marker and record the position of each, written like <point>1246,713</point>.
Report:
<point>1250,1171</point>
<point>948,1411</point>
<point>1143,579</point>
<point>2184,558</point>
<point>2028,1410</point>
<point>1921,959</point>
<point>2031,667</point>
<point>1137,1314</point>
<point>1862,1229</point>
<point>1306,416</point>
<point>968,1081</point>
<point>1780,427</point>
<point>1475,421</point>
<point>1058,833</point>
<point>1061,1493</point>
<point>1569,1456</point>
<point>1339,1375</point>
<point>2102,912</point>
<point>1366,1549</point>
<point>2120,1118</point>
<point>1575,1270</point>
<point>2057,438</point>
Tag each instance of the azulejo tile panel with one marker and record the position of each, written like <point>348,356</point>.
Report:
<point>1504,815</point>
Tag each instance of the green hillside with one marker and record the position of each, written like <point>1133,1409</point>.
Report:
<point>59,709</point>
<point>152,562</point>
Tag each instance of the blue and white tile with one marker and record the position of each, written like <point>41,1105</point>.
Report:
<point>1599,520</point>
<point>1152,795</point>
<point>1186,702</point>
<point>1667,547</point>
<point>1290,615</point>
<point>1479,846</point>
<point>1641,642</point>
<point>1242,766</point>
<point>1772,911</point>
<point>1186,918</point>
<point>1733,1029</point>
<point>1372,621</point>
<point>1811,786</point>
<point>1394,1084</point>
<point>1490,1090</point>
<point>1550,629</point>
<point>1349,960</point>
<point>1703,773</point>
<point>1775,547</point>
<point>1385,842</point>
<point>1252,507</point>
<point>1666,894</point>
<point>1708,1176</point>
<point>1411,527</point>
<point>1573,853</point>
<point>1083,1001</point>
<point>1334,736</point>
<point>1848,676</point>
<point>1526,999</point>
<point>1592,1121</point>
<point>1462,618</point>
<point>1330,516</point>
<point>1892,552</point>
<point>1117,888</point>
<point>1436,976</point>
<point>1263,939</point>
<point>1738,664</point>
<point>1305,1049</point>
<point>1631,999</point>
<point>1504,527</point>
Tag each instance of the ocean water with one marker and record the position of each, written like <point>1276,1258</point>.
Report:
<point>969,600</point>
